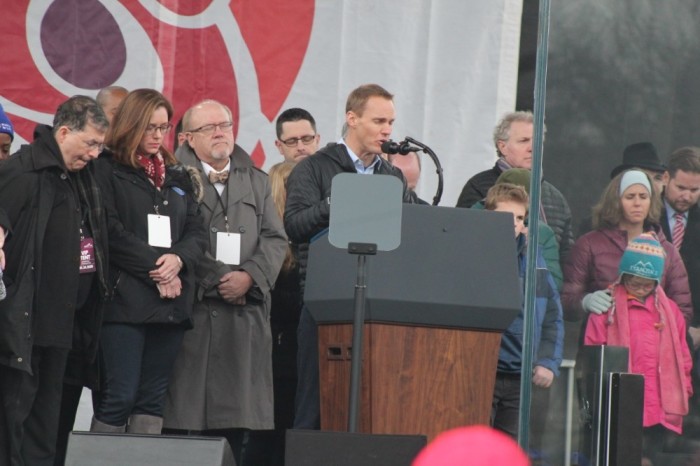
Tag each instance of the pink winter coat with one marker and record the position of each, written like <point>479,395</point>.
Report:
<point>657,350</point>
<point>593,264</point>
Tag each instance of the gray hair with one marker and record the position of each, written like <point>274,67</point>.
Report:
<point>502,130</point>
<point>78,111</point>
<point>187,117</point>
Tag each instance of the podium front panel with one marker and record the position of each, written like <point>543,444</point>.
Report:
<point>415,380</point>
<point>454,268</point>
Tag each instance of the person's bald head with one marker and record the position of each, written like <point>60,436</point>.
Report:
<point>209,129</point>
<point>409,165</point>
<point>109,99</point>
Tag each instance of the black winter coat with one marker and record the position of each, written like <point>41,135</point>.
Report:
<point>307,211</point>
<point>45,205</point>
<point>129,197</point>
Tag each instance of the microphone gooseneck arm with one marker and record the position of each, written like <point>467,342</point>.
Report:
<point>438,167</point>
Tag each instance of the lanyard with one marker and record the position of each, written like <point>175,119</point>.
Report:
<point>83,210</point>
<point>223,207</point>
<point>157,192</point>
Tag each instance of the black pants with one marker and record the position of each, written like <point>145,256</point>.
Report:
<point>267,447</point>
<point>69,408</point>
<point>308,397</point>
<point>70,402</point>
<point>505,407</point>
<point>654,439</point>
<point>30,409</point>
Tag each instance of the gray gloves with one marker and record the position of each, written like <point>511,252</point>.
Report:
<point>597,302</point>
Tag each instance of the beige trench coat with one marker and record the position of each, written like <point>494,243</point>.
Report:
<point>223,374</point>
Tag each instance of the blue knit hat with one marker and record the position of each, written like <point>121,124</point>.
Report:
<point>644,257</point>
<point>6,124</point>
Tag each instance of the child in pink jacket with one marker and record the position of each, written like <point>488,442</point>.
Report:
<point>643,319</point>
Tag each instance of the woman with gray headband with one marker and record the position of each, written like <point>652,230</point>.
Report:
<point>628,207</point>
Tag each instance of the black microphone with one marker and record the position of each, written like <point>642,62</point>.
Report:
<point>403,147</point>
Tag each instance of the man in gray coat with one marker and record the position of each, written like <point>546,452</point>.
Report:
<point>222,382</point>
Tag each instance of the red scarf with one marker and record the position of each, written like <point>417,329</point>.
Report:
<point>671,369</point>
<point>154,168</point>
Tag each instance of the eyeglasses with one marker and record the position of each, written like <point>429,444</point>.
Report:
<point>292,142</point>
<point>640,286</point>
<point>93,145</point>
<point>209,129</point>
<point>164,129</point>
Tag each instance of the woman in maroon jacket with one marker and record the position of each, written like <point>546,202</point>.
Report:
<point>628,207</point>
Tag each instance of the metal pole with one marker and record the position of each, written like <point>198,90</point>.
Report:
<point>535,185</point>
<point>357,340</point>
<point>568,425</point>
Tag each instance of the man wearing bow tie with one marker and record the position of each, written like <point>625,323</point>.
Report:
<point>222,383</point>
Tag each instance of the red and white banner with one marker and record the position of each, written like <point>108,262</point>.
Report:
<point>452,65</point>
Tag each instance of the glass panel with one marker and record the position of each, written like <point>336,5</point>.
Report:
<point>619,72</point>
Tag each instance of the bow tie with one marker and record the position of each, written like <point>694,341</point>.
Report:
<point>218,177</point>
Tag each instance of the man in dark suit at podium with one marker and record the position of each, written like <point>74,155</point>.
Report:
<point>369,117</point>
<point>680,221</point>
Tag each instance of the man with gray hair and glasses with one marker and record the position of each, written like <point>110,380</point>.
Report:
<point>222,381</point>
<point>55,275</point>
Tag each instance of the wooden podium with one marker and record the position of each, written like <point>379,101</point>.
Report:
<point>416,380</point>
<point>436,307</point>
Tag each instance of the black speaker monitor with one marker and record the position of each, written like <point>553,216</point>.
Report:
<point>96,449</point>
<point>322,448</point>
<point>625,407</point>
